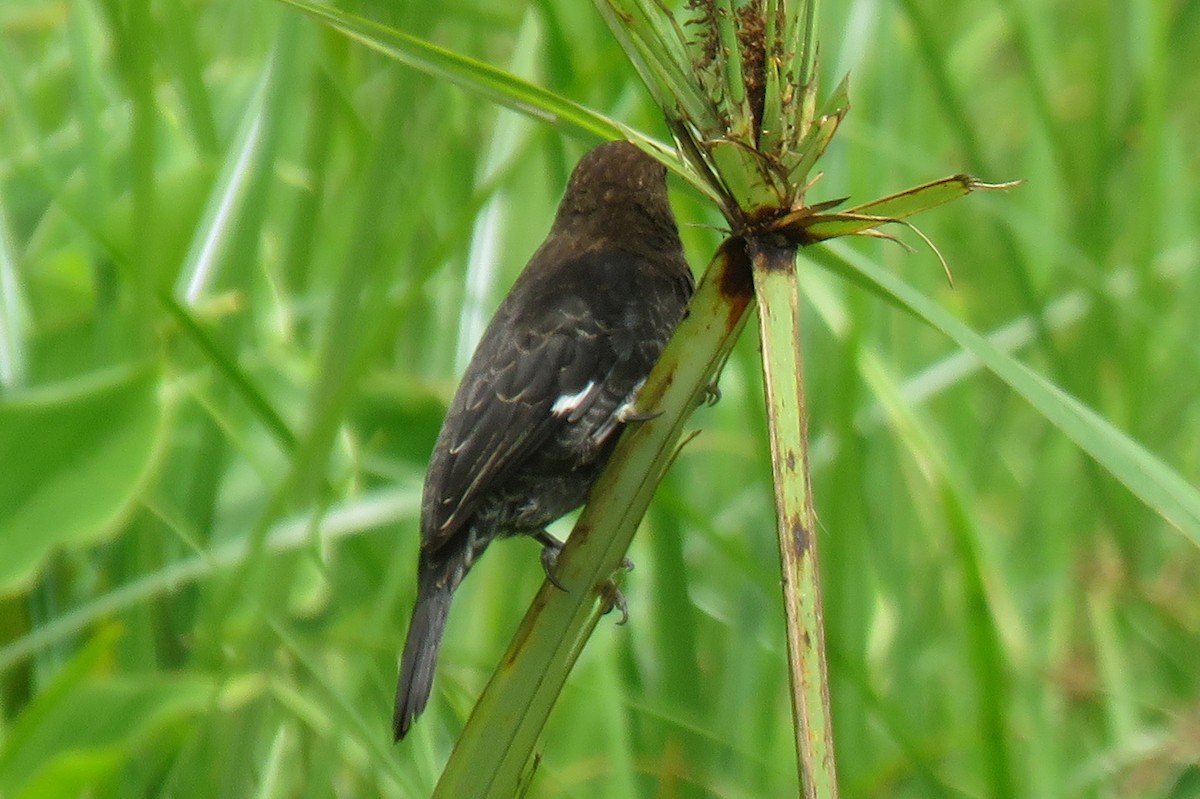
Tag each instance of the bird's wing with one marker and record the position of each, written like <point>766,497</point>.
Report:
<point>526,380</point>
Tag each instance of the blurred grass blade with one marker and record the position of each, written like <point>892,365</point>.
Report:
<point>1153,481</point>
<point>199,268</point>
<point>494,84</point>
<point>497,86</point>
<point>364,514</point>
<point>49,752</point>
<point>12,311</point>
<point>233,372</point>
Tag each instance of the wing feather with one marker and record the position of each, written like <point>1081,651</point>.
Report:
<point>503,411</point>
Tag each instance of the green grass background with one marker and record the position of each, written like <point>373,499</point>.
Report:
<point>243,260</point>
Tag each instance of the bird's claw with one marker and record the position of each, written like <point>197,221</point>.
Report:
<point>632,414</point>
<point>549,560</point>
<point>712,394</point>
<point>613,598</point>
<point>551,546</point>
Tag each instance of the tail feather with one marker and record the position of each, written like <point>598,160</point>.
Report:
<point>420,656</point>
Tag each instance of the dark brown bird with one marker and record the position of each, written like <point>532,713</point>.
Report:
<point>552,382</point>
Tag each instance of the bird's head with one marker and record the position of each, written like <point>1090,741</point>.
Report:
<point>617,192</point>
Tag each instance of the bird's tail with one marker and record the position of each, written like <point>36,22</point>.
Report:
<point>420,653</point>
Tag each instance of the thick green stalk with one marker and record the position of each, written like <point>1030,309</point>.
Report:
<point>775,286</point>
<point>499,738</point>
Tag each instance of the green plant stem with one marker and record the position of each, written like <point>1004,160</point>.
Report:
<point>775,286</point>
<point>499,738</point>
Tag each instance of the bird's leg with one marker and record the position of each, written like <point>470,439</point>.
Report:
<point>611,594</point>
<point>551,546</point>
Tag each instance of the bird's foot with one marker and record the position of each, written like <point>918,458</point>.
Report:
<point>614,599</point>
<point>609,592</point>
<point>611,595</point>
<point>551,546</point>
<point>631,413</point>
<point>630,410</point>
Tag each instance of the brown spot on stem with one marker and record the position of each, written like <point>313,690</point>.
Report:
<point>801,539</point>
<point>771,252</point>
<point>737,282</point>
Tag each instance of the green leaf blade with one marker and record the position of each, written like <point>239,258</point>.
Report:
<point>74,460</point>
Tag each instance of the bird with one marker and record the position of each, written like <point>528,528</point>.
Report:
<point>552,382</point>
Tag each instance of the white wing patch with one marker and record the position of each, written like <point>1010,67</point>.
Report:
<point>567,403</point>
